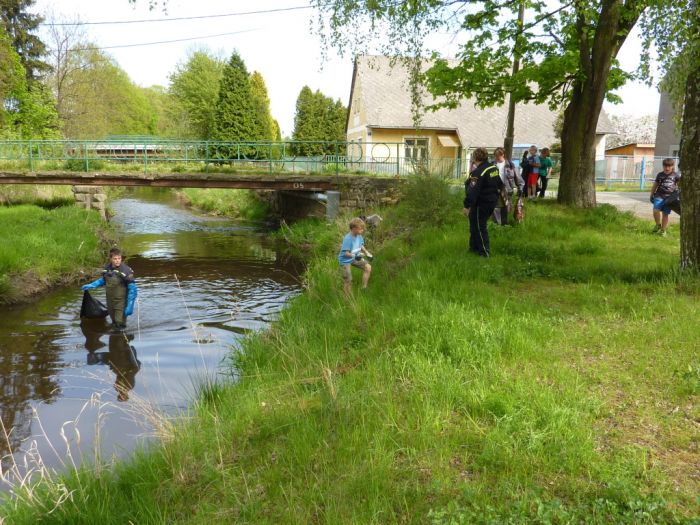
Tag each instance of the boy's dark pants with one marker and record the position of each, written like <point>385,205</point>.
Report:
<point>478,228</point>
<point>543,185</point>
<point>116,301</point>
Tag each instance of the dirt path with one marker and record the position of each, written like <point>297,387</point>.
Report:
<point>636,202</point>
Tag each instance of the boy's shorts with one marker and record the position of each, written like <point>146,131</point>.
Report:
<point>666,210</point>
<point>345,269</point>
<point>532,179</point>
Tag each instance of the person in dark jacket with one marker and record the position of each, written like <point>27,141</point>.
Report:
<point>482,190</point>
<point>121,290</point>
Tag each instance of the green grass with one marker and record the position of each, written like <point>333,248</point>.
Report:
<point>44,247</point>
<point>231,203</point>
<point>554,383</point>
<point>41,195</point>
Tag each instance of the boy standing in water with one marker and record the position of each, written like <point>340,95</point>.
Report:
<point>121,291</point>
<point>353,253</point>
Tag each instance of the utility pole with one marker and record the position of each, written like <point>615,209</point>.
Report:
<point>510,125</point>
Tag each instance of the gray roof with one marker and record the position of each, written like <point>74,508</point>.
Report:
<point>386,101</point>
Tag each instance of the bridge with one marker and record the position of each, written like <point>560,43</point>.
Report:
<point>303,167</point>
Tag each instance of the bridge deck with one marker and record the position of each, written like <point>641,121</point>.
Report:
<point>281,181</point>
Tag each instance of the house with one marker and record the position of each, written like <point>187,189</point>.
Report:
<point>634,150</point>
<point>668,139</point>
<point>380,120</point>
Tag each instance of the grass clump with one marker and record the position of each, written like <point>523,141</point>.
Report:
<point>537,386</point>
<point>45,247</point>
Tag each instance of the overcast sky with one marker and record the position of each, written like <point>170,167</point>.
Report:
<point>277,43</point>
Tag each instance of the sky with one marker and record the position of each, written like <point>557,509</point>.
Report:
<point>277,43</point>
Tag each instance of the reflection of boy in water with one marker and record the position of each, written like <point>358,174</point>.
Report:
<point>121,358</point>
<point>124,363</point>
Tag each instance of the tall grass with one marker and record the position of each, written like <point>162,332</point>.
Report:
<point>42,247</point>
<point>547,384</point>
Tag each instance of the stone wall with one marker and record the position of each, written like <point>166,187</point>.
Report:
<point>91,198</point>
<point>365,194</point>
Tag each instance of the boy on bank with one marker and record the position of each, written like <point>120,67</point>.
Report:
<point>665,184</point>
<point>121,291</point>
<point>354,253</point>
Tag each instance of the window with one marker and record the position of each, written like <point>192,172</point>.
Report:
<point>416,149</point>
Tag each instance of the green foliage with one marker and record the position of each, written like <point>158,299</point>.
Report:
<point>194,89</point>
<point>318,118</point>
<point>235,118</point>
<point>17,21</point>
<point>429,199</point>
<point>99,100</point>
<point>264,124</point>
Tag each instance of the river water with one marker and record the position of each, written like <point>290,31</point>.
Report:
<point>204,283</point>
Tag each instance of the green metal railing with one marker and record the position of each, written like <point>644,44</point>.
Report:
<point>157,155</point>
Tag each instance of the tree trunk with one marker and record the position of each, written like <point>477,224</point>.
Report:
<point>578,138</point>
<point>577,179</point>
<point>690,170</point>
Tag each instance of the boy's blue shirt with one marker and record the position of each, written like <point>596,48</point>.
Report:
<point>350,244</point>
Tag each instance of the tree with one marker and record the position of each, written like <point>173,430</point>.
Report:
<point>194,88</point>
<point>674,27</point>
<point>11,78</point>
<point>20,25</point>
<point>567,57</point>
<point>99,99</point>
<point>235,118</point>
<point>318,118</point>
<point>264,124</point>
<point>26,111</point>
<point>640,130</point>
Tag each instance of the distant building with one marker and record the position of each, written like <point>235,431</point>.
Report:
<point>633,150</point>
<point>668,139</point>
<point>380,113</point>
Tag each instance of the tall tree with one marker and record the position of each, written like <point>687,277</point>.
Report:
<point>261,106</point>
<point>194,88</point>
<point>318,118</point>
<point>100,99</point>
<point>567,52</point>
<point>674,27</point>
<point>20,25</point>
<point>26,111</point>
<point>234,113</point>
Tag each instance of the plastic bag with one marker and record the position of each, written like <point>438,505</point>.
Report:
<point>91,307</point>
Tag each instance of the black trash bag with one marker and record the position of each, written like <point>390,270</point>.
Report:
<point>91,307</point>
<point>673,201</point>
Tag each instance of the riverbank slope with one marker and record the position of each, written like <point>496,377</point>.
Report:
<point>43,248</point>
<point>556,382</point>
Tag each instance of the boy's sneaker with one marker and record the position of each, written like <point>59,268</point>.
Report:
<point>656,229</point>
<point>662,233</point>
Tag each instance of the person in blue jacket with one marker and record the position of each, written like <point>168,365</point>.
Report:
<point>121,290</point>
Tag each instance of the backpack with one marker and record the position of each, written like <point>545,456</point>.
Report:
<point>524,166</point>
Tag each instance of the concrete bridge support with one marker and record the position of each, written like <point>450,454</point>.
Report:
<point>91,198</point>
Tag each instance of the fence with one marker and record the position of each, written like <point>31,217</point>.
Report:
<point>255,157</point>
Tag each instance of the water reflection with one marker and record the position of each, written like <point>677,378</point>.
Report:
<point>27,374</point>
<point>120,357</point>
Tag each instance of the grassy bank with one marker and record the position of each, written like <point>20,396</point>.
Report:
<point>42,248</point>
<point>556,382</point>
<point>230,203</point>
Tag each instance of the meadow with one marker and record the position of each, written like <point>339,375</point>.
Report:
<point>556,382</point>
